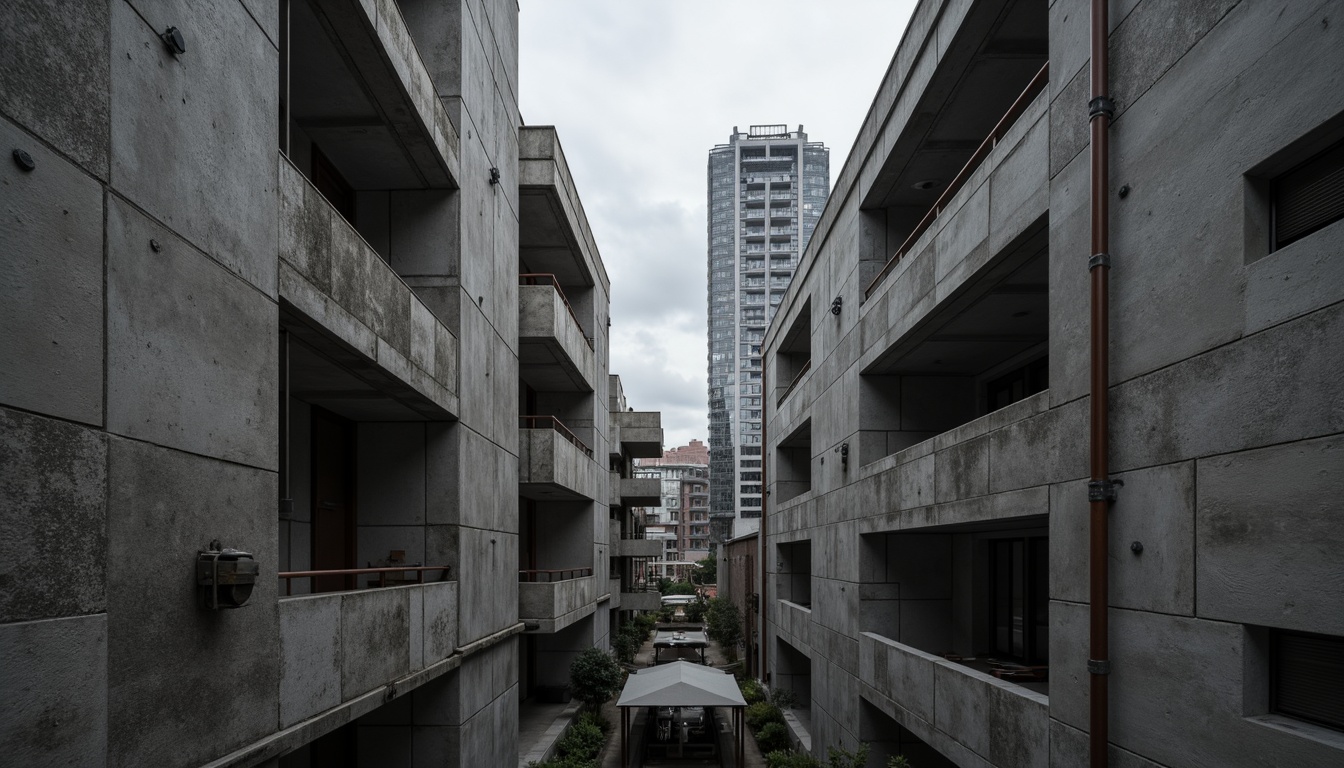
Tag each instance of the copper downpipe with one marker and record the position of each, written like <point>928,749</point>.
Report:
<point>1100,489</point>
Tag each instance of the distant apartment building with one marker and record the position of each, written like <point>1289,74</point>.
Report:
<point>297,315</point>
<point>1027,289</point>
<point>682,522</point>
<point>767,187</point>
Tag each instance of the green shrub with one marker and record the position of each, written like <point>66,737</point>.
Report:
<point>594,677</point>
<point>897,761</point>
<point>781,758</point>
<point>594,718</point>
<point>695,611</point>
<point>773,736</point>
<point>843,758</point>
<point>752,691</point>
<point>584,740</point>
<point>680,588</point>
<point>724,625</point>
<point>763,712</point>
<point>627,642</point>
<point>783,698</point>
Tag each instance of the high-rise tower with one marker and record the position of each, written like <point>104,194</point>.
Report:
<point>767,187</point>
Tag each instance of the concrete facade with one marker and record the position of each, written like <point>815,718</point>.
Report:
<point>927,506</point>
<point>281,290</point>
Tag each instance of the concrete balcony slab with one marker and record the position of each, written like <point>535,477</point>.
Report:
<point>553,353</point>
<point>339,298</point>
<point>551,467</point>
<point>557,604</point>
<point>641,433</point>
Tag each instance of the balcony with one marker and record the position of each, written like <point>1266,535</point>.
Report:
<point>556,598</point>
<point>338,646</point>
<point>381,104</point>
<point>641,492</point>
<point>553,232</point>
<point>952,707</point>
<point>637,599</point>
<point>636,547</point>
<point>340,298</point>
<point>553,352</point>
<point>553,463</point>
<point>641,433</point>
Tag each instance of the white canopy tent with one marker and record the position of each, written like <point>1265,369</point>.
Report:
<point>681,684</point>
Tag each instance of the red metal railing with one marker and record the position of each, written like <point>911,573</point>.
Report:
<point>550,422</point>
<point>546,575</point>
<point>1015,111</point>
<point>381,573</point>
<point>546,278</point>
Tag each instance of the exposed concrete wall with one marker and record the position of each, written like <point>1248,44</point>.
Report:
<point>1225,407</point>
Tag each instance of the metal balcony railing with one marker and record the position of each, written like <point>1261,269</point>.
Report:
<point>381,573</point>
<point>807,366</point>
<point>548,575</point>
<point>1015,111</point>
<point>545,278</point>
<point>551,422</point>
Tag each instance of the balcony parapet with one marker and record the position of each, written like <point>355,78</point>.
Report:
<point>555,599</point>
<point>553,463</point>
<point>554,354</point>
<point>340,297</point>
<point>641,433</point>
<point>952,707</point>
<point>337,646</point>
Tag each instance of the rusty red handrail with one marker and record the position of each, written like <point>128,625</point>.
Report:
<point>546,278</point>
<point>1015,111</point>
<point>535,575</point>
<point>419,571</point>
<point>537,422</point>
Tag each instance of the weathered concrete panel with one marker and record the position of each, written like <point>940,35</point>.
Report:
<point>1273,387</point>
<point>310,661</point>
<point>440,621</point>
<point>219,195</point>
<point>55,681</point>
<point>207,667</point>
<point>375,631</point>
<point>53,518</point>
<point>54,76</point>
<point>1270,537</point>
<point>51,321</point>
<point>203,382</point>
<point>1156,508</point>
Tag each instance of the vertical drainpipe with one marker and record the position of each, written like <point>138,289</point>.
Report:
<point>762,547</point>
<point>1100,489</point>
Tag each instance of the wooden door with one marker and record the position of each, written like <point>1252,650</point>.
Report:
<point>333,500</point>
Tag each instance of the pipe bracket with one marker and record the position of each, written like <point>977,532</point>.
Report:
<point>1099,260</point>
<point>1103,490</point>
<point>1099,666</point>
<point>1102,105</point>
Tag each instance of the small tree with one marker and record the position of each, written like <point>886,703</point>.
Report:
<point>680,588</point>
<point>724,625</point>
<point>594,677</point>
<point>706,572</point>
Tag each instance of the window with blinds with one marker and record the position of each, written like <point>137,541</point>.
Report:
<point>1309,197</point>
<point>1307,677</point>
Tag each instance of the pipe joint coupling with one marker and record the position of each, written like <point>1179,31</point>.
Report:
<point>1099,666</point>
<point>1102,105</point>
<point>1103,490</point>
<point>1099,260</point>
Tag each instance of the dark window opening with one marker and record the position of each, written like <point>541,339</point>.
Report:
<point>1308,198</point>
<point>1307,677</point>
<point>1018,384</point>
<point>1019,598</point>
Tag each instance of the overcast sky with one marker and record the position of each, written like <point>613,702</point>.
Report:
<point>639,91</point>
